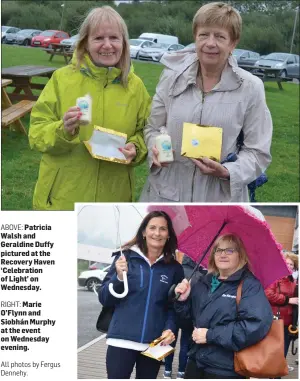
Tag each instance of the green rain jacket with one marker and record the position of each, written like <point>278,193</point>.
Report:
<point>68,173</point>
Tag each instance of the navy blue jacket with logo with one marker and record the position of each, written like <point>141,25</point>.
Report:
<point>145,312</point>
<point>228,331</point>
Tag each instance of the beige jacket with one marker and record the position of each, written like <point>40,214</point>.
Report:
<point>236,103</point>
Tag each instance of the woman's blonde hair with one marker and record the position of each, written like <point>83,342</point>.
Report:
<point>219,14</point>
<point>95,17</point>
<point>293,257</point>
<point>238,246</point>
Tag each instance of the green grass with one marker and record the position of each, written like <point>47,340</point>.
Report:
<point>20,164</point>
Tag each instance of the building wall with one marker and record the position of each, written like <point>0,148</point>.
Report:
<point>283,229</point>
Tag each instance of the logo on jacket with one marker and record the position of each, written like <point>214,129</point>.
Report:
<point>229,296</point>
<point>164,279</point>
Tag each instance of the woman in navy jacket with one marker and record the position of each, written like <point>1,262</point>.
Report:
<point>211,304</point>
<point>145,313</point>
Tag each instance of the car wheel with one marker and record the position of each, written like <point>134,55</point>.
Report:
<point>283,74</point>
<point>3,40</point>
<point>26,42</point>
<point>91,283</point>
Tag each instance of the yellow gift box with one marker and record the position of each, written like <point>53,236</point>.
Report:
<point>201,141</point>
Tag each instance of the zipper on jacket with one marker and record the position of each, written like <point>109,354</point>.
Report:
<point>147,306</point>
<point>142,276</point>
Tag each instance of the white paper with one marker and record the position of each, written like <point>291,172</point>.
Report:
<point>107,145</point>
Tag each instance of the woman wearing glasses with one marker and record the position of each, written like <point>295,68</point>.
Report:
<point>210,302</point>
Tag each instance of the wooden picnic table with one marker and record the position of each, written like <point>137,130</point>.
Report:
<point>7,108</point>
<point>59,50</point>
<point>21,77</point>
<point>266,74</point>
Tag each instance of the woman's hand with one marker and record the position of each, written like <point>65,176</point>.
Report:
<point>71,119</point>
<point>169,337</point>
<point>129,151</point>
<point>184,289</point>
<point>199,335</point>
<point>211,167</point>
<point>121,265</point>
<point>155,158</point>
<point>293,301</point>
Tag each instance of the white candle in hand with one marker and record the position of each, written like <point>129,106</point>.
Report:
<point>85,105</point>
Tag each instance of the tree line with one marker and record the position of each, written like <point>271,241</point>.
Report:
<point>267,25</point>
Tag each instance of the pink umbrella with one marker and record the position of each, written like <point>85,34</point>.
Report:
<point>200,225</point>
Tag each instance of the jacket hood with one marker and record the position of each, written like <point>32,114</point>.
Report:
<point>185,64</point>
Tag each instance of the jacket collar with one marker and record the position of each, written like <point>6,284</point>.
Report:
<point>185,64</point>
<point>102,74</point>
<point>135,252</point>
<point>235,277</point>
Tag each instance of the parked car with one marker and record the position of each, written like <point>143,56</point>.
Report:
<point>98,266</point>
<point>6,31</point>
<point>137,44</point>
<point>288,63</point>
<point>48,37</point>
<point>190,46</point>
<point>245,57</point>
<point>70,43</point>
<point>92,278</point>
<point>156,51</point>
<point>159,38</point>
<point>24,36</point>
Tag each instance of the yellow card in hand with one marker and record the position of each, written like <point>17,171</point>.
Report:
<point>201,141</point>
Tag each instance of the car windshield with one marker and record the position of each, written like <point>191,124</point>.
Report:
<point>160,46</point>
<point>135,42</point>
<point>4,28</point>
<point>25,31</point>
<point>276,56</point>
<point>47,33</point>
<point>238,52</point>
<point>74,37</point>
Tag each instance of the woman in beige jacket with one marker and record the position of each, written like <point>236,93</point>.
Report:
<point>206,87</point>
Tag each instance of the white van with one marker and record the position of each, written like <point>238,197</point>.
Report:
<point>160,38</point>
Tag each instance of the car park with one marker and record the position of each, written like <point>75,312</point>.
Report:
<point>24,36</point>
<point>48,37</point>
<point>92,278</point>
<point>70,43</point>
<point>156,51</point>
<point>137,44</point>
<point>287,63</point>
<point>6,31</point>
<point>245,57</point>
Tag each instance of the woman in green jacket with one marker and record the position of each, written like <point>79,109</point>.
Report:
<point>120,102</point>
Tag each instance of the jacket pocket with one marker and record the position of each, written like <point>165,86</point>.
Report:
<point>44,186</point>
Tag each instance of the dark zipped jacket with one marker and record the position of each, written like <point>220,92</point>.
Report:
<point>145,312</point>
<point>228,330</point>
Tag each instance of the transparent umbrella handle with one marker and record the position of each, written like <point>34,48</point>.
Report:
<point>125,292</point>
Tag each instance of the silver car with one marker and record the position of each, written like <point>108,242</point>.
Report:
<point>70,43</point>
<point>137,44</point>
<point>6,31</point>
<point>157,50</point>
<point>287,63</point>
<point>24,36</point>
